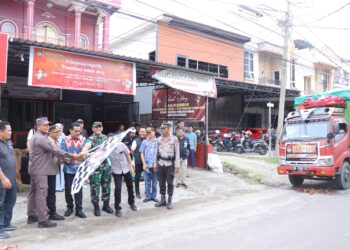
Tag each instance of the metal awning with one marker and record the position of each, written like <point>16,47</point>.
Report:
<point>18,64</point>
<point>229,87</point>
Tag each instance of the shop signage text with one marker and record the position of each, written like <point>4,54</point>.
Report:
<point>180,105</point>
<point>65,70</point>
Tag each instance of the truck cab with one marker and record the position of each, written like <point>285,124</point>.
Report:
<point>315,144</point>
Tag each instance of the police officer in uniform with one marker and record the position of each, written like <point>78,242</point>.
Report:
<point>102,175</point>
<point>168,162</point>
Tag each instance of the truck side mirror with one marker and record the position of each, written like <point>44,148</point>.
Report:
<point>330,136</point>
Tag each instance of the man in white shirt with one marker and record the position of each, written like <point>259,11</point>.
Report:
<point>122,166</point>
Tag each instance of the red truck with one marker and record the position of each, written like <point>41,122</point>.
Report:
<point>315,141</point>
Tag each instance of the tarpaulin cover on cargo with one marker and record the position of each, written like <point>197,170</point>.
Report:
<point>345,93</point>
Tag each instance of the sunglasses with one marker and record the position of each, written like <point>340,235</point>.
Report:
<point>98,126</point>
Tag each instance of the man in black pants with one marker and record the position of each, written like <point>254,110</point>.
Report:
<point>122,166</point>
<point>135,147</point>
<point>54,133</point>
<point>73,143</point>
<point>168,162</point>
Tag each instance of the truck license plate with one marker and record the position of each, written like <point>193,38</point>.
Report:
<point>301,169</point>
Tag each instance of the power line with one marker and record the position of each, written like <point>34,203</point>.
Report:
<point>321,27</point>
<point>330,13</point>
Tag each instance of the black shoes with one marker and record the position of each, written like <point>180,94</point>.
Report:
<point>47,224</point>
<point>32,219</point>
<point>178,185</point>
<point>69,212</point>
<point>162,202</point>
<point>184,185</point>
<point>169,204</point>
<point>56,216</point>
<point>118,212</point>
<point>80,214</point>
<point>147,199</point>
<point>133,207</point>
<point>97,211</point>
<point>107,208</point>
<point>138,196</point>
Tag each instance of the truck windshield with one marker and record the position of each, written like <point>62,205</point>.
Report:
<point>305,131</point>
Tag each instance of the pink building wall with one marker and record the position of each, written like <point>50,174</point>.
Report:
<point>64,20</point>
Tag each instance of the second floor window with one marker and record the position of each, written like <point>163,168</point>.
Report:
<point>248,65</point>
<point>219,70</point>
<point>181,61</point>
<point>324,81</point>
<point>83,42</point>
<point>48,34</point>
<point>9,28</point>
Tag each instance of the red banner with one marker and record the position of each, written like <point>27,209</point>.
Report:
<point>3,57</point>
<point>59,69</point>
<point>181,105</point>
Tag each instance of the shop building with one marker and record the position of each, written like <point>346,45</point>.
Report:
<point>241,98</point>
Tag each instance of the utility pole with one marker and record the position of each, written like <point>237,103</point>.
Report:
<point>286,24</point>
<point>270,105</point>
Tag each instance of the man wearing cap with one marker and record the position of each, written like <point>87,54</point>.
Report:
<point>148,152</point>
<point>54,133</point>
<point>168,162</point>
<point>135,151</point>
<point>130,137</point>
<point>8,188</point>
<point>73,144</point>
<point>181,125</point>
<point>84,132</point>
<point>102,175</point>
<point>40,158</point>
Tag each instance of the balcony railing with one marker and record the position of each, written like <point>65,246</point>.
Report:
<point>62,40</point>
<point>268,81</point>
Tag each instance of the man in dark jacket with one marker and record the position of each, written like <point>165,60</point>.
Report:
<point>135,147</point>
<point>184,143</point>
<point>7,180</point>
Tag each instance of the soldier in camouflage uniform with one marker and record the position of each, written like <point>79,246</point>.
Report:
<point>102,175</point>
<point>168,162</point>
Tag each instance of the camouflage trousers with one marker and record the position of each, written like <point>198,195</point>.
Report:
<point>100,178</point>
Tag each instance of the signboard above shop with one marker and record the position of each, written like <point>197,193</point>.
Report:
<point>65,70</point>
<point>191,82</point>
<point>173,104</point>
<point>3,57</point>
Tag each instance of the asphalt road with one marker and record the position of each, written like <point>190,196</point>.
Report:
<point>218,211</point>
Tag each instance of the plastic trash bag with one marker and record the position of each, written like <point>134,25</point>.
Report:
<point>215,164</point>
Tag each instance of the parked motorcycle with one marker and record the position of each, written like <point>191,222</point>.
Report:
<point>254,146</point>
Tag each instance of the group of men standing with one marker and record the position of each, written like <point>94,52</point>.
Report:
<point>160,159</point>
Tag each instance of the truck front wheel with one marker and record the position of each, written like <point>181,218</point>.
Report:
<point>296,180</point>
<point>343,179</point>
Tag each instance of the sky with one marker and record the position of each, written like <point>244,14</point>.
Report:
<point>320,22</point>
